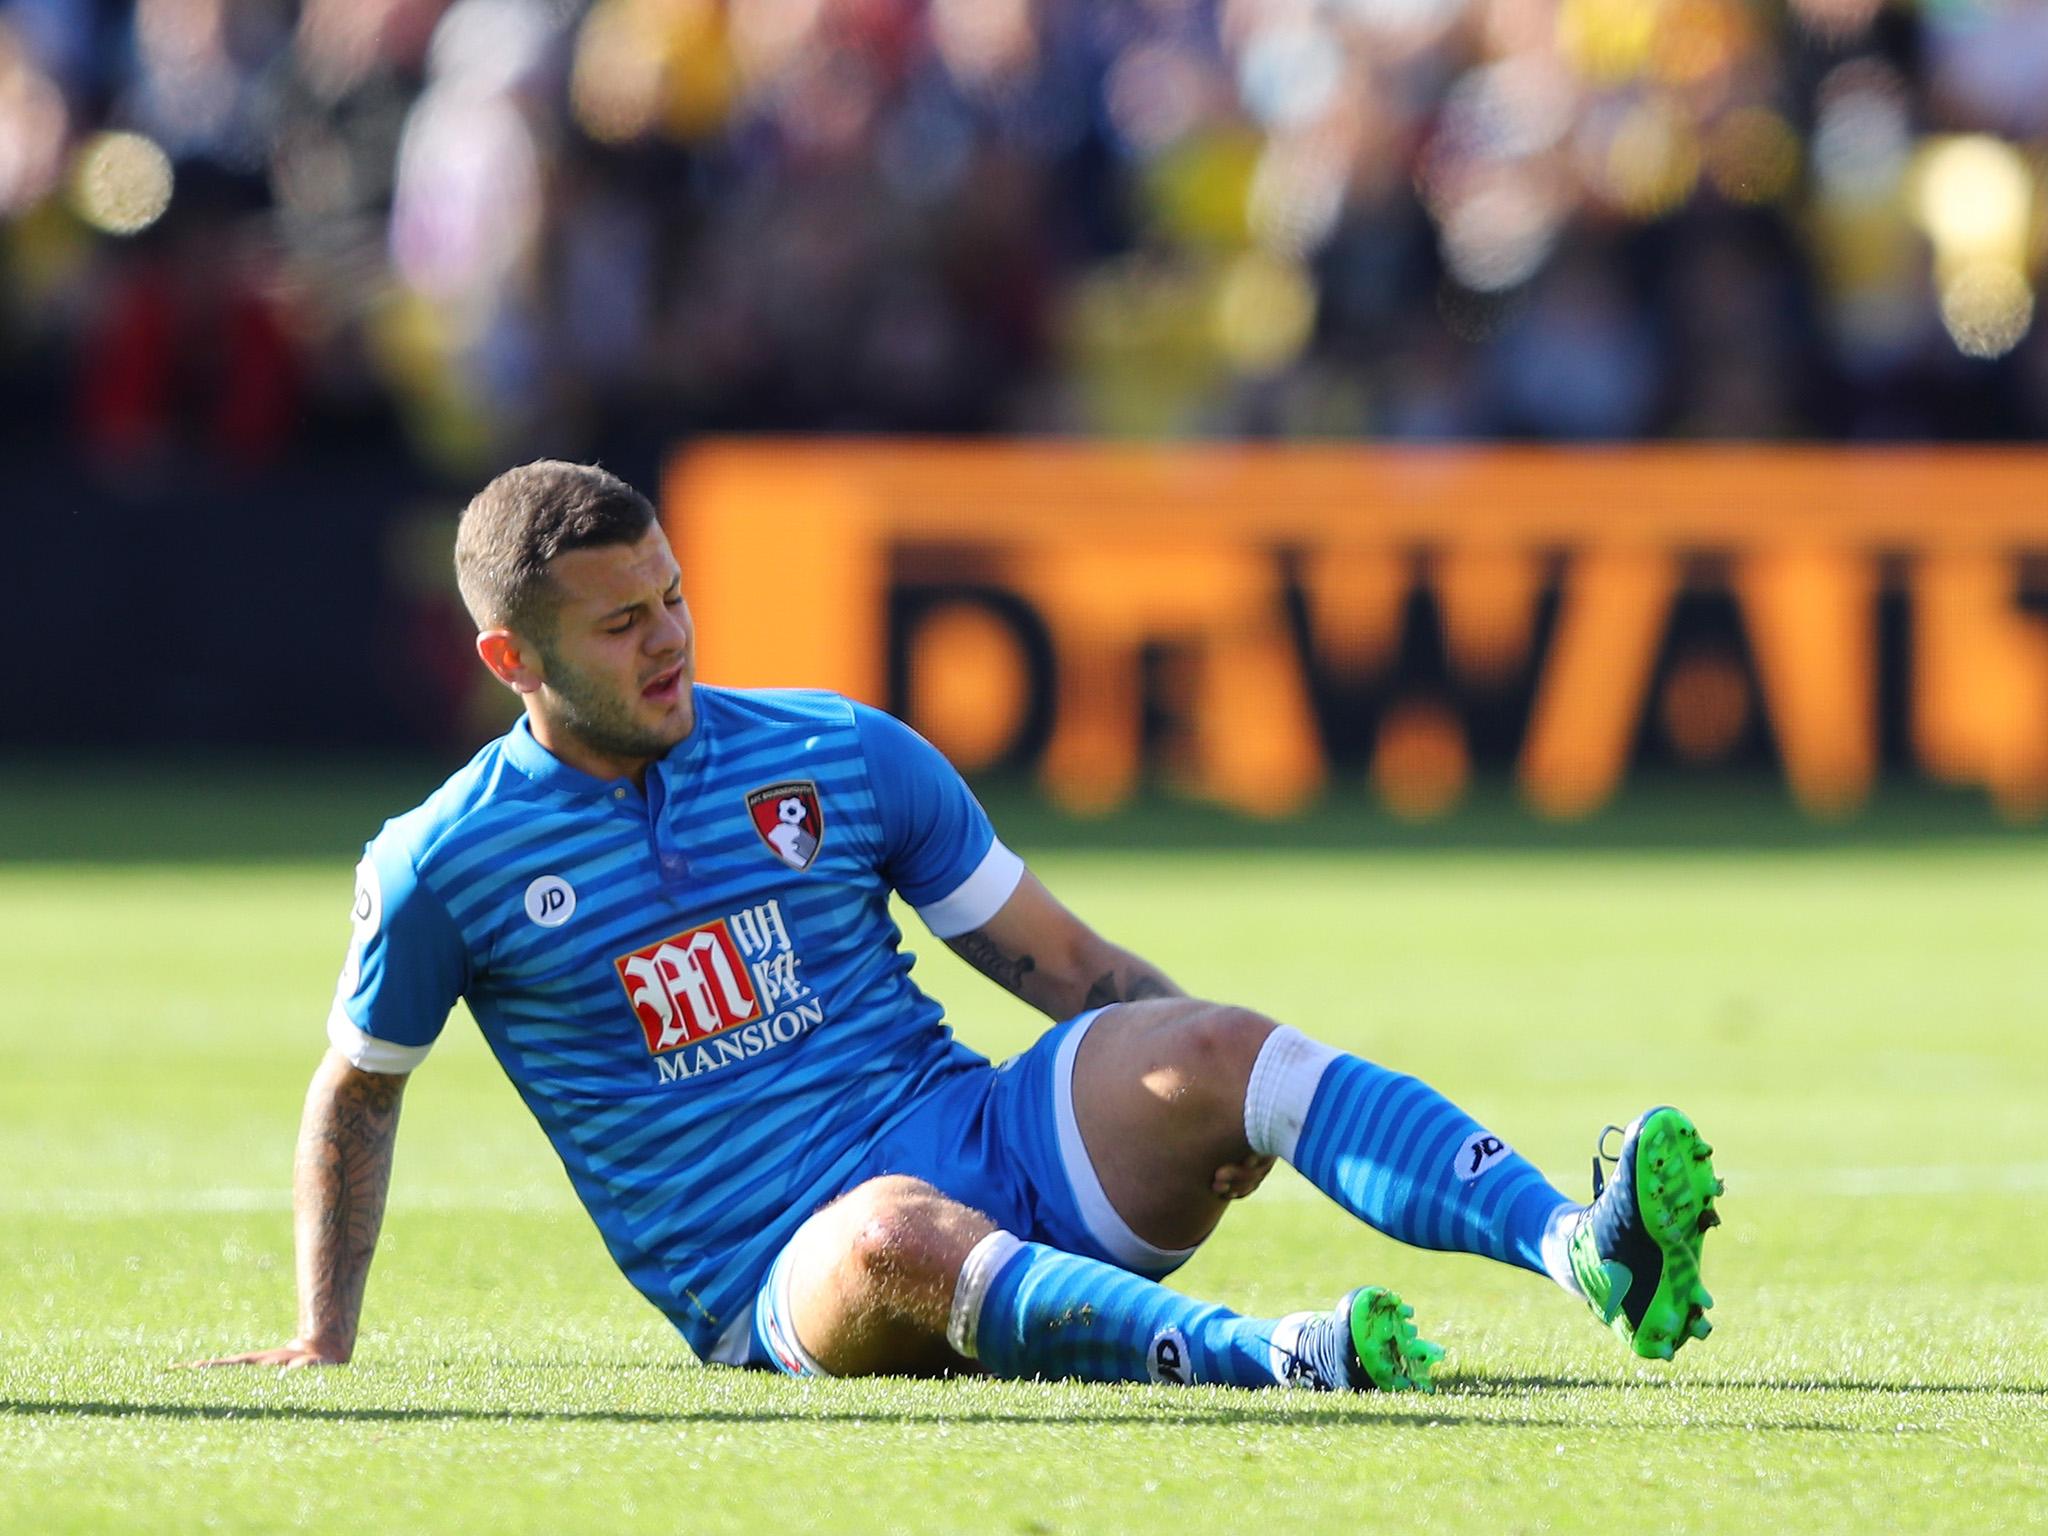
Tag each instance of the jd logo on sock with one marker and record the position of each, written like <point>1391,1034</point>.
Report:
<point>1480,1152</point>
<point>1167,1359</point>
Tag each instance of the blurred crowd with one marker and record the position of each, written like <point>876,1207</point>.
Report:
<point>244,229</point>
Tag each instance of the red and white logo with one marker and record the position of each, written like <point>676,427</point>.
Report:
<point>789,820</point>
<point>688,987</point>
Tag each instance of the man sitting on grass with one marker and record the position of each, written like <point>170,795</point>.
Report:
<point>666,905</point>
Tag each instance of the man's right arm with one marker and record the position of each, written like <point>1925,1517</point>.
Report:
<point>339,1180</point>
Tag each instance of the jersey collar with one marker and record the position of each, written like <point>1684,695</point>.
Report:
<point>526,754</point>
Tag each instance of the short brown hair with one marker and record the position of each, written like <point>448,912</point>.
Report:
<point>523,519</point>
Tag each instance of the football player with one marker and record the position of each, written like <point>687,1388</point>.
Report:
<point>666,905</point>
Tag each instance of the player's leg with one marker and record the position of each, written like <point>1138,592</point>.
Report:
<point>897,1278</point>
<point>865,1287</point>
<point>1166,1091</point>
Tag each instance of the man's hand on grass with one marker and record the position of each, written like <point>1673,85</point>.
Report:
<point>288,1357</point>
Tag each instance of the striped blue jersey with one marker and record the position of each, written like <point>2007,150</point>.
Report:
<point>698,990</point>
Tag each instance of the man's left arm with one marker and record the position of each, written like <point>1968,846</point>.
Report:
<point>1038,949</point>
<point>939,850</point>
<point>1035,947</point>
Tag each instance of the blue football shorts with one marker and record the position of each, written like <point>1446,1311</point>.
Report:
<point>1001,1139</point>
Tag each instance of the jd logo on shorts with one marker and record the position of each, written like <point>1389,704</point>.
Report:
<point>1167,1359</point>
<point>1479,1152</point>
<point>551,901</point>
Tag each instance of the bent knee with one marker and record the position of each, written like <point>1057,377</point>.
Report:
<point>899,1229</point>
<point>1209,1051</point>
<point>887,1192</point>
<point>1229,1039</point>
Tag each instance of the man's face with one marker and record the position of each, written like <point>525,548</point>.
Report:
<point>617,668</point>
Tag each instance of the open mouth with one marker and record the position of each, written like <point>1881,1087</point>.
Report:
<point>664,684</point>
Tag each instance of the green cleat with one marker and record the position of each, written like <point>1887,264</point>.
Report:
<point>1366,1343</point>
<point>1636,1250</point>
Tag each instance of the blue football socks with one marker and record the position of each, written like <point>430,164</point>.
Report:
<point>1400,1156</point>
<point>1058,1315</point>
<point>1387,1147</point>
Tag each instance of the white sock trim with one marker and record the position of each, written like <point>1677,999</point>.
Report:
<point>978,1272</point>
<point>1556,1247</point>
<point>1282,1086</point>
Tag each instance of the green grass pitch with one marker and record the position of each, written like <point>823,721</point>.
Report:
<point>1857,1027</point>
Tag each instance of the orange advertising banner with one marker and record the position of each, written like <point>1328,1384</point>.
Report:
<point>1246,622</point>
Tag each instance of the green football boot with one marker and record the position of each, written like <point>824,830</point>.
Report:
<point>1636,1250</point>
<point>1366,1343</point>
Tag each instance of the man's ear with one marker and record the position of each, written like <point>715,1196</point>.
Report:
<point>511,660</point>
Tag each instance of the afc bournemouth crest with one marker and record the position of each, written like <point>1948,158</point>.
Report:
<point>789,821</point>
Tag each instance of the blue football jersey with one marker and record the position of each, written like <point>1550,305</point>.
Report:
<point>698,990</point>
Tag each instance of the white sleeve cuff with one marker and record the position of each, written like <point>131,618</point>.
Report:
<point>977,898</point>
<point>366,1052</point>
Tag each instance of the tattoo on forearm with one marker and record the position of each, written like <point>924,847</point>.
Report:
<point>1109,989</point>
<point>342,1178</point>
<point>989,958</point>
<point>1058,988</point>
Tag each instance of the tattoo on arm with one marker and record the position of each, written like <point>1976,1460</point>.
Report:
<point>986,956</point>
<point>342,1176</point>
<point>1059,988</point>
<point>1109,989</point>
